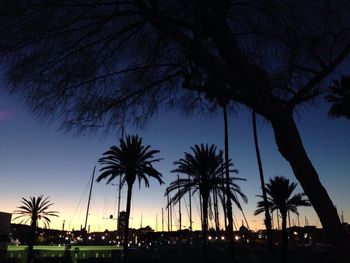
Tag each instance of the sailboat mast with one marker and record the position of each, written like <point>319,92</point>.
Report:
<point>171,216</point>
<point>180,223</point>
<point>88,206</point>
<point>119,196</point>
<point>168,208</point>
<point>189,192</point>
<point>162,220</point>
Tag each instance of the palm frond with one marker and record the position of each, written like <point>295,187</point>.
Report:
<point>131,161</point>
<point>35,209</point>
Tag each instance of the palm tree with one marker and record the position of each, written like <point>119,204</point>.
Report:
<point>221,99</point>
<point>204,171</point>
<point>339,97</point>
<point>229,214</point>
<point>280,198</point>
<point>267,220</point>
<point>34,210</point>
<point>130,160</point>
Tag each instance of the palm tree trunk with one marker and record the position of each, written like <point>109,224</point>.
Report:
<point>30,253</point>
<point>291,147</point>
<point>229,228</point>
<point>216,210</point>
<point>223,199</point>
<point>262,183</point>
<point>284,236</point>
<point>126,230</point>
<point>205,223</point>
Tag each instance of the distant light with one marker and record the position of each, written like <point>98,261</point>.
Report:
<point>295,233</point>
<point>89,237</point>
<point>223,238</point>
<point>209,237</point>
<point>103,237</point>
<point>236,237</point>
<point>306,235</point>
<point>66,238</point>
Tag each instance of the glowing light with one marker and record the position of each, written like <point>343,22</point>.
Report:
<point>236,237</point>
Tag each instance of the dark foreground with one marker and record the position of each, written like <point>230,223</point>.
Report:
<point>184,254</point>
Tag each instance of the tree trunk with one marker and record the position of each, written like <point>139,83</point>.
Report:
<point>263,189</point>
<point>284,246</point>
<point>205,223</point>
<point>126,230</point>
<point>229,228</point>
<point>284,231</point>
<point>291,147</point>
<point>30,253</point>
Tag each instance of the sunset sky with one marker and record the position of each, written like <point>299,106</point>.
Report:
<point>37,159</point>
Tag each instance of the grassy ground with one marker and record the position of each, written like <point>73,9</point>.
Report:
<point>62,248</point>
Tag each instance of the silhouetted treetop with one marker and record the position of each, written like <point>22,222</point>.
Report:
<point>92,62</point>
<point>339,98</point>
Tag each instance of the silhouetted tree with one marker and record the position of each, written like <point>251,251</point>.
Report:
<point>204,169</point>
<point>339,97</point>
<point>229,213</point>
<point>267,219</point>
<point>131,160</point>
<point>84,62</point>
<point>220,98</point>
<point>280,198</point>
<point>34,209</point>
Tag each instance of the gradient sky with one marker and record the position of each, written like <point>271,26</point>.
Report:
<point>37,159</point>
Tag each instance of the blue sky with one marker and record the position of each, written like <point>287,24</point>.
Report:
<point>36,159</point>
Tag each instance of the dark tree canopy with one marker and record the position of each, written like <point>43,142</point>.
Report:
<point>90,63</point>
<point>339,98</point>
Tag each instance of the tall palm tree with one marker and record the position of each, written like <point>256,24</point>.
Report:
<point>280,190</point>
<point>220,97</point>
<point>229,213</point>
<point>339,97</point>
<point>130,160</point>
<point>34,210</point>
<point>267,220</point>
<point>204,171</point>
